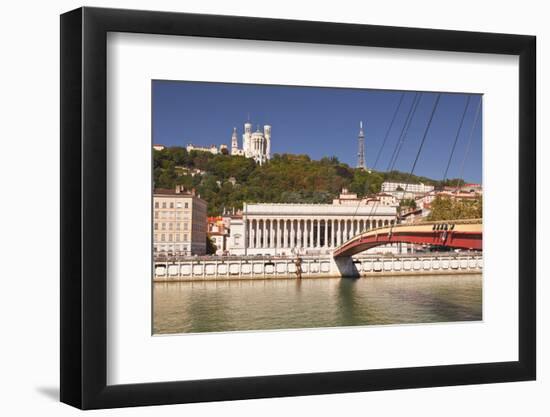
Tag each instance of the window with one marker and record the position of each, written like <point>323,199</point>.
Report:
<point>163,226</point>
<point>156,226</point>
<point>156,214</point>
<point>156,204</point>
<point>185,237</point>
<point>164,204</point>
<point>171,205</point>
<point>178,204</point>
<point>186,205</point>
<point>162,237</point>
<point>170,237</point>
<point>178,226</point>
<point>185,226</point>
<point>169,226</point>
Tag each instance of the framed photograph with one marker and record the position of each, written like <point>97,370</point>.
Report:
<point>256,208</point>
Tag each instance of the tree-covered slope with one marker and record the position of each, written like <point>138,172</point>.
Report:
<point>287,178</point>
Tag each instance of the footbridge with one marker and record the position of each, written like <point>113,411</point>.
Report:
<point>456,234</point>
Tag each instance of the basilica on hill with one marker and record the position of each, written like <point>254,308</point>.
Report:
<point>256,144</point>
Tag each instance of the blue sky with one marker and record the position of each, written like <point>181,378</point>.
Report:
<point>323,122</point>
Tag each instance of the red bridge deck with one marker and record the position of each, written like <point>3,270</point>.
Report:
<point>460,234</point>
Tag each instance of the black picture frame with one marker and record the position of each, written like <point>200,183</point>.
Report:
<point>84,207</point>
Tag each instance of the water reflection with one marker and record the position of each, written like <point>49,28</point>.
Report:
<point>285,304</point>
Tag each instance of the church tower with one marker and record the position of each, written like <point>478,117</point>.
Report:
<point>234,141</point>
<point>247,137</point>
<point>267,135</point>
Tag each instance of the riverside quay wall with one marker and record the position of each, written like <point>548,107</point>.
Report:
<point>229,268</point>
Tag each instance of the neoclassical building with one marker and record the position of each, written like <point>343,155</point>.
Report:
<point>256,144</point>
<point>284,229</point>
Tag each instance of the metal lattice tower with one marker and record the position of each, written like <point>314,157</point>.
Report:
<point>361,151</point>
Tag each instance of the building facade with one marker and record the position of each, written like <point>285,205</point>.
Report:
<point>213,149</point>
<point>286,229</point>
<point>348,198</point>
<point>390,186</point>
<point>179,223</point>
<point>256,145</point>
<point>218,231</point>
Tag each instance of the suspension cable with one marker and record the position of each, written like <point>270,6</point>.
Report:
<point>405,134</point>
<point>469,143</point>
<point>419,150</point>
<point>456,139</point>
<point>424,138</point>
<point>388,131</point>
<point>404,129</point>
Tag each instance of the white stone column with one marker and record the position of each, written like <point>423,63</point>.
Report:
<point>292,233</point>
<point>301,228</point>
<point>326,234</point>
<point>282,226</point>
<point>257,233</point>
<point>277,234</point>
<point>310,234</point>
<point>298,221</point>
<point>285,234</point>
<point>305,235</point>
<point>272,233</point>
<point>332,230</point>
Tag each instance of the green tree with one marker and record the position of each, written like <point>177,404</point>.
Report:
<point>211,247</point>
<point>447,208</point>
<point>408,203</point>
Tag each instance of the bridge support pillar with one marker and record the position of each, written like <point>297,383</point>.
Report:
<point>346,267</point>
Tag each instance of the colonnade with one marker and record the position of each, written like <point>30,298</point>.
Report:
<point>306,233</point>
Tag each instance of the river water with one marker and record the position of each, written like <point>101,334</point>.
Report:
<point>215,306</point>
